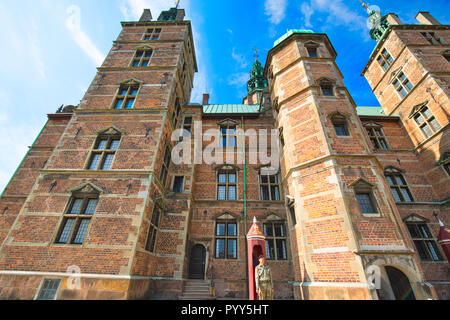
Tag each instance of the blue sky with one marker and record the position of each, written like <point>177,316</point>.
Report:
<point>49,59</point>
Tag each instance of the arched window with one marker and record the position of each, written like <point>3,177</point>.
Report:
<point>327,87</point>
<point>77,215</point>
<point>226,244</point>
<point>275,231</point>
<point>376,136</point>
<point>340,125</point>
<point>227,184</point>
<point>104,150</point>
<point>398,185</point>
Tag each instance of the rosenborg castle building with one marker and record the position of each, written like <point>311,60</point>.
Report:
<point>357,208</point>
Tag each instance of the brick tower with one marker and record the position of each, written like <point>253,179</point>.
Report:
<point>409,72</point>
<point>344,222</point>
<point>80,201</point>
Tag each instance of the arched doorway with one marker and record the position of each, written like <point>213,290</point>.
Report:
<point>401,287</point>
<point>197,262</point>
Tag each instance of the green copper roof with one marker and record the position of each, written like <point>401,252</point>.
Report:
<point>370,111</point>
<point>231,108</point>
<point>290,32</point>
<point>169,15</point>
<point>257,80</point>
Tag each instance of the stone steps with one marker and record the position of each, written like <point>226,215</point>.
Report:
<point>196,290</point>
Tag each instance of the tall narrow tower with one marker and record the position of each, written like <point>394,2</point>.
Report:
<point>98,206</point>
<point>344,225</point>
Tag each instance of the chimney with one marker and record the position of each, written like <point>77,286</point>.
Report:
<point>426,18</point>
<point>205,99</point>
<point>146,16</point>
<point>180,15</point>
<point>393,19</point>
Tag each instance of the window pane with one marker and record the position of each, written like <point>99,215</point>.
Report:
<point>90,208</point>
<point>281,249</point>
<point>365,203</point>
<point>275,193</point>
<point>232,229</point>
<point>114,145</point>
<point>422,250</point>
<point>268,229</point>
<point>76,206</point>
<point>108,162</point>
<point>153,241</point>
<point>222,178</point>
<point>419,119</point>
<point>427,131</point>
<point>270,249</point>
<point>134,91</point>
<point>123,92</point>
<point>188,120</point>
<point>129,104</point>
<point>384,145</point>
<point>232,193</point>
<point>264,179</point>
<point>232,249</point>
<point>327,91</point>
<point>341,130</point>
<point>265,193</point>
<point>136,63</point>
<point>312,52</point>
<point>102,144</point>
<point>406,195</point>
<point>424,231</point>
<point>279,230</point>
<point>408,85</point>
<point>397,195</point>
<point>220,229</point>
<point>48,289</point>
<point>232,178</point>
<point>139,54</point>
<point>413,230</point>
<point>435,253</point>
<point>64,237</point>
<point>119,104</point>
<point>156,217</point>
<point>390,180</point>
<point>400,180</point>
<point>434,124</point>
<point>148,244</point>
<point>81,232</point>
<point>178,184</point>
<point>145,63</point>
<point>95,161</point>
<point>221,193</point>
<point>220,248</point>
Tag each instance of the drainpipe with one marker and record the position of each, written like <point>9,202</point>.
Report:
<point>245,200</point>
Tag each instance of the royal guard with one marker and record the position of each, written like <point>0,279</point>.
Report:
<point>263,278</point>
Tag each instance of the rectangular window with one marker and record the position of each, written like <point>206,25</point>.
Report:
<point>104,151</point>
<point>142,58</point>
<point>385,59</point>
<point>48,289</point>
<point>341,129</point>
<point>126,97</point>
<point>402,84</point>
<point>427,122</point>
<point>178,184</point>
<point>270,188</point>
<point>228,136</point>
<point>226,240</point>
<point>165,165</point>
<point>152,34</point>
<point>77,219</point>
<point>312,52</point>
<point>425,243</point>
<point>366,202</point>
<point>399,188</point>
<point>153,229</point>
<point>226,188</point>
<point>327,89</point>
<point>275,241</point>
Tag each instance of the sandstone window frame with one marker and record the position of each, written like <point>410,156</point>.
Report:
<point>385,60</point>
<point>80,209</point>
<point>152,34</point>
<point>423,238</point>
<point>126,94</point>
<point>175,184</point>
<point>327,87</point>
<point>227,238</point>
<point>376,135</point>
<point>398,185</point>
<point>227,171</point>
<point>47,287</point>
<point>364,193</point>
<point>104,150</point>
<point>228,134</point>
<point>276,239</point>
<point>272,183</point>
<point>340,124</point>
<point>142,57</point>
<point>425,120</point>
<point>153,229</point>
<point>312,49</point>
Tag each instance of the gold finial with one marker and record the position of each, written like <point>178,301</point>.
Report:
<point>178,3</point>
<point>364,5</point>
<point>256,53</point>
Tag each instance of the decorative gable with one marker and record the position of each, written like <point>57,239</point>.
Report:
<point>88,187</point>
<point>110,131</point>
<point>362,184</point>
<point>417,108</point>
<point>132,82</point>
<point>413,217</point>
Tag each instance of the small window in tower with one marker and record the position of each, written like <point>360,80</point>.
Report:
<point>427,122</point>
<point>327,88</point>
<point>366,202</point>
<point>126,97</point>
<point>312,52</point>
<point>340,125</point>
<point>142,58</point>
<point>402,84</point>
<point>385,59</point>
<point>151,34</point>
<point>104,151</point>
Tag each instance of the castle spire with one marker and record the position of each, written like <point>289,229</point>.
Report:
<point>379,23</point>
<point>257,81</point>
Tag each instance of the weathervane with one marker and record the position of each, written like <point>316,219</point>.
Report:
<point>256,53</point>
<point>178,3</point>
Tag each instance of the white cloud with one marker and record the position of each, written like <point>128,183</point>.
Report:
<point>73,24</point>
<point>276,10</point>
<point>337,14</point>
<point>239,58</point>
<point>238,79</point>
